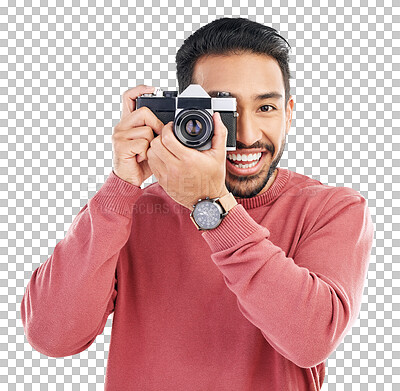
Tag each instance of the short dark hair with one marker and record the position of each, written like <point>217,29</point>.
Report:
<point>226,36</point>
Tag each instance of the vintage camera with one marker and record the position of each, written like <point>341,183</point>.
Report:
<point>192,112</point>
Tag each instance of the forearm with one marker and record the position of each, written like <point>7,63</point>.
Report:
<point>70,296</point>
<point>302,308</point>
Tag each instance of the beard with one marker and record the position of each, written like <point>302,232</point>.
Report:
<point>250,185</point>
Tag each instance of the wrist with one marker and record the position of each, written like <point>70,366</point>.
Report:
<point>131,181</point>
<point>208,213</point>
<point>210,195</point>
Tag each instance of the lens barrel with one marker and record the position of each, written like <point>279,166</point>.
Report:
<point>193,127</point>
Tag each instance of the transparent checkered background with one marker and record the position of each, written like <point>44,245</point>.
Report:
<point>62,76</point>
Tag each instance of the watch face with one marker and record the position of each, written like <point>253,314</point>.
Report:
<point>207,214</point>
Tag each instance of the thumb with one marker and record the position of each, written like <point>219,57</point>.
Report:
<point>218,141</point>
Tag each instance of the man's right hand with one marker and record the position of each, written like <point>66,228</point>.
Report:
<point>132,136</point>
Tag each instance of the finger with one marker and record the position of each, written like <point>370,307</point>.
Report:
<point>135,133</point>
<point>172,144</point>
<point>218,142</point>
<point>162,151</point>
<point>132,148</point>
<point>140,117</point>
<point>129,98</point>
<point>139,148</point>
<point>156,165</point>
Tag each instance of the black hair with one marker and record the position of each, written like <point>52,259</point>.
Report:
<point>226,36</point>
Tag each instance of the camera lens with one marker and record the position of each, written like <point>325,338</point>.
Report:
<point>193,127</point>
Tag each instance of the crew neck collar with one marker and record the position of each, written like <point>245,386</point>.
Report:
<point>280,181</point>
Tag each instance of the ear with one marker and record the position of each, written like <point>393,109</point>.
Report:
<point>289,114</point>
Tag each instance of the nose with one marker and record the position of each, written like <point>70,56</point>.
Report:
<point>248,131</point>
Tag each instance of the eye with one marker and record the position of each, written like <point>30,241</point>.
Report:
<point>271,108</point>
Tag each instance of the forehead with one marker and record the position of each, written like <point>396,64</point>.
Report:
<point>239,73</point>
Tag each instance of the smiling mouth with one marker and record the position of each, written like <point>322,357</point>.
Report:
<point>245,164</point>
<point>244,160</point>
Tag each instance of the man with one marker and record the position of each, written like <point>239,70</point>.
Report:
<point>257,303</point>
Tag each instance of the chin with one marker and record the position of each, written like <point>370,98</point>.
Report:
<point>248,186</point>
<point>251,185</point>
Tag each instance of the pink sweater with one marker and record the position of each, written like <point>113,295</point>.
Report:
<point>259,303</point>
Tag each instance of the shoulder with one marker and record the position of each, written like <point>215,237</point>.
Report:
<point>337,211</point>
<point>314,191</point>
<point>318,202</point>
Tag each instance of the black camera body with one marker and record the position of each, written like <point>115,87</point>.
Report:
<point>191,112</point>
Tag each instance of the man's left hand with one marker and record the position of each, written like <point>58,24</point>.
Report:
<point>187,174</point>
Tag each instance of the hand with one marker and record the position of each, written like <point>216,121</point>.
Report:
<point>187,174</point>
<point>132,136</point>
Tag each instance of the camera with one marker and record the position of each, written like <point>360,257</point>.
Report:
<point>191,112</point>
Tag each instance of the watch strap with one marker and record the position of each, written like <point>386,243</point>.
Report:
<point>227,202</point>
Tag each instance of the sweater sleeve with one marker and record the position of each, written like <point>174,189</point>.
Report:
<point>305,305</point>
<point>70,296</point>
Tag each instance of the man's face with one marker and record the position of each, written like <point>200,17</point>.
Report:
<point>262,124</point>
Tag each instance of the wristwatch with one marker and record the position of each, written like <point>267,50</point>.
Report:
<point>209,212</point>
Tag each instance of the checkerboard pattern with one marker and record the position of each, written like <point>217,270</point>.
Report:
<point>63,70</point>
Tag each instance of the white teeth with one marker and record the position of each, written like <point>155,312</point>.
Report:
<point>244,158</point>
<point>245,165</point>
<point>254,158</point>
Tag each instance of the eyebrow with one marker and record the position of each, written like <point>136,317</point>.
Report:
<point>267,95</point>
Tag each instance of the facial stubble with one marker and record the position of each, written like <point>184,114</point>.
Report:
<point>250,185</point>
